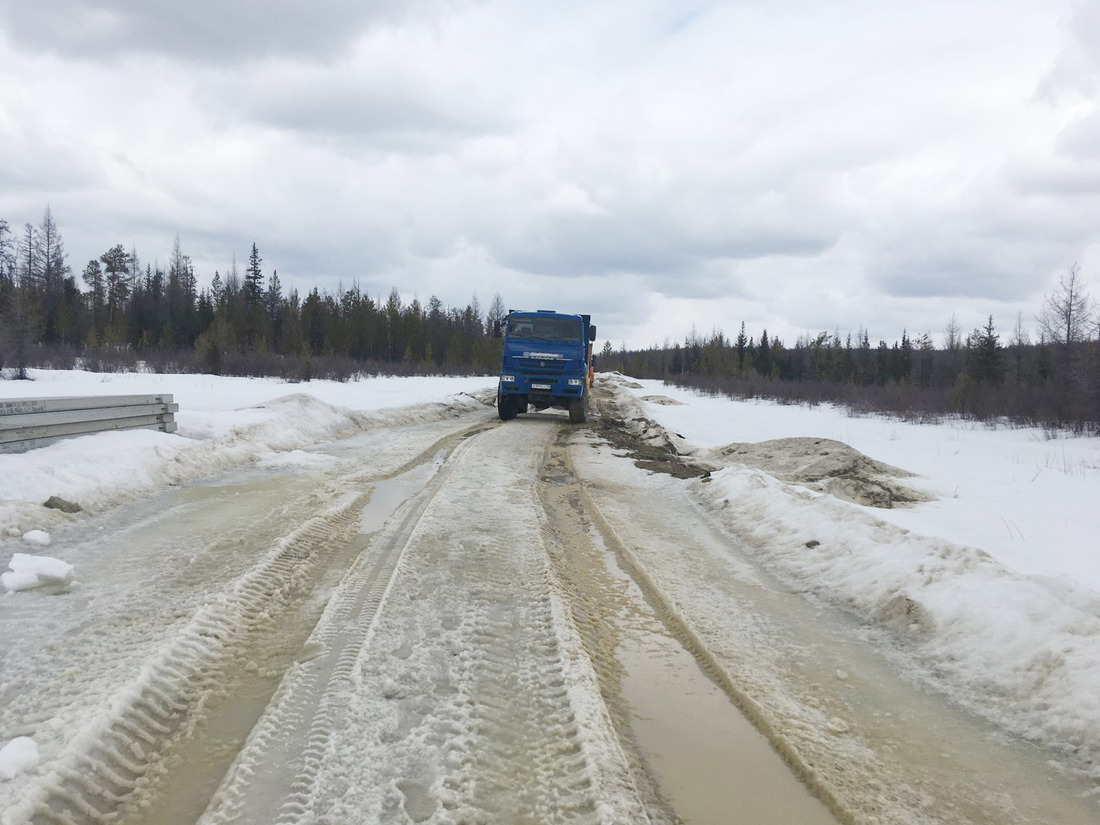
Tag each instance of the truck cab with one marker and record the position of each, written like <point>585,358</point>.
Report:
<point>546,362</point>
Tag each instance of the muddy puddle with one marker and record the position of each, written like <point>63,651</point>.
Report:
<point>389,494</point>
<point>710,762</point>
<point>695,755</point>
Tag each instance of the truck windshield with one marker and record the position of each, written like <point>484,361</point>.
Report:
<point>545,328</point>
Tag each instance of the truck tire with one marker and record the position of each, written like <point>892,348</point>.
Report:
<point>578,409</point>
<point>507,409</point>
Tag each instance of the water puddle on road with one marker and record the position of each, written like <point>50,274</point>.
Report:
<point>710,762</point>
<point>713,765</point>
<point>387,495</point>
<point>696,759</point>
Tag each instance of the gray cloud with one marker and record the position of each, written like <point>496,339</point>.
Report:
<point>799,165</point>
<point>208,30</point>
<point>1076,67</point>
<point>388,110</point>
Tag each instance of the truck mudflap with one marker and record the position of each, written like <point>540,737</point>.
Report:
<point>578,410</point>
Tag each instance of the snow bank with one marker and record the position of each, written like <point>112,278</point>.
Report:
<point>28,572</point>
<point>223,423</point>
<point>992,586</point>
<point>1021,650</point>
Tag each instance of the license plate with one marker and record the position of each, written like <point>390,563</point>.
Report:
<point>540,386</point>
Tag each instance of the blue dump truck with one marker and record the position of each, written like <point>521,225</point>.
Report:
<point>547,362</point>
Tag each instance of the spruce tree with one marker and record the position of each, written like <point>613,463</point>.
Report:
<point>985,354</point>
<point>116,264</point>
<point>741,344</point>
<point>254,279</point>
<point>273,297</point>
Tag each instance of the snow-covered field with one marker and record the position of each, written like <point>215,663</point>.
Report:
<point>992,583</point>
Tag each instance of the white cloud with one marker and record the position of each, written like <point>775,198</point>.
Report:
<point>796,164</point>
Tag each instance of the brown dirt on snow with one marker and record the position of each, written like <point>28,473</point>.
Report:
<point>828,466</point>
<point>642,439</point>
<point>818,463</point>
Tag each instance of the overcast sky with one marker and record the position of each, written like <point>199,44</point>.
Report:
<point>800,165</point>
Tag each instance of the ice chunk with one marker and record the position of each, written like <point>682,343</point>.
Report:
<point>44,569</point>
<point>19,581</point>
<point>20,754</point>
<point>39,537</point>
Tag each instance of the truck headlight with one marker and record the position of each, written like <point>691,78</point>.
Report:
<point>508,379</point>
<point>575,382</point>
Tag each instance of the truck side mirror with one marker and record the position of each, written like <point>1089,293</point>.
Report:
<point>496,329</point>
<point>592,332</point>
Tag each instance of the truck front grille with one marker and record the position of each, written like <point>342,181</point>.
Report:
<point>532,366</point>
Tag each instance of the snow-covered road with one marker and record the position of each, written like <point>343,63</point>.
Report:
<point>378,638</point>
<point>449,683</point>
<point>445,619</point>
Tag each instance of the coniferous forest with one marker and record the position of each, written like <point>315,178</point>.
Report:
<point>1052,381</point>
<point>120,312</point>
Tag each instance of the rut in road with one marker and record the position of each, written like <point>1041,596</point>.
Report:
<point>214,626</point>
<point>460,690</point>
<point>95,780</point>
<point>598,604</point>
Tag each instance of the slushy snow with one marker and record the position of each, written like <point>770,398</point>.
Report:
<point>991,585</point>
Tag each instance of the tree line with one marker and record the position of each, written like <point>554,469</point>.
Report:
<point>1052,381</point>
<point>118,311</point>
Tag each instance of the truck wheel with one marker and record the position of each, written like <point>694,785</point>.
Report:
<point>507,409</point>
<point>578,410</point>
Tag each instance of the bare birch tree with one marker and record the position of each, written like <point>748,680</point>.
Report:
<point>1067,313</point>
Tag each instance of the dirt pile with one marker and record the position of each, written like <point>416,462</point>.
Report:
<point>828,466</point>
<point>818,463</point>
<point>651,446</point>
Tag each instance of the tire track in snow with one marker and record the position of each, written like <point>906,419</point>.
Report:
<point>597,605</point>
<point>296,731</point>
<point>106,763</point>
<point>534,743</point>
<point>683,631</point>
<point>458,690</point>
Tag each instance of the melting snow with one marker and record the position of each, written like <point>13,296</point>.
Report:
<point>993,581</point>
